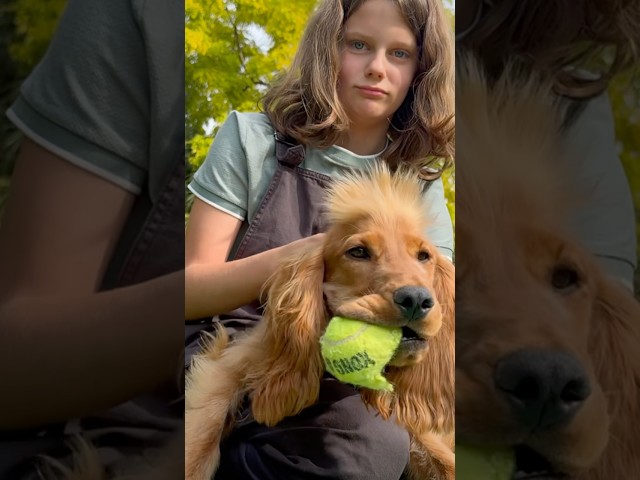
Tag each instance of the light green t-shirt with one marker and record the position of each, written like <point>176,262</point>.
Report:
<point>242,161</point>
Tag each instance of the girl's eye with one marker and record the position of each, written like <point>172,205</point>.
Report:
<point>400,54</point>
<point>358,45</point>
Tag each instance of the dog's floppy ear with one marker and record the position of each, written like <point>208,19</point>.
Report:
<point>425,392</point>
<point>289,378</point>
<point>431,385</point>
<point>613,347</point>
<point>443,346</point>
<point>444,284</point>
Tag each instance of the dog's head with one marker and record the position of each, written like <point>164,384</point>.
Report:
<point>539,344</point>
<point>376,266</point>
<point>379,267</point>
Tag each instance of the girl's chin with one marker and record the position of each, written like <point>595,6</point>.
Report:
<point>370,117</point>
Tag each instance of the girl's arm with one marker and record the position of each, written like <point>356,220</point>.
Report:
<point>66,350</point>
<point>214,286</point>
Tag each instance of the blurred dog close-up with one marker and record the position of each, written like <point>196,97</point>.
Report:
<point>547,344</point>
<point>375,266</point>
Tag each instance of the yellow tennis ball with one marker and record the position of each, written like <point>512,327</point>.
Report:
<point>484,463</point>
<point>356,352</point>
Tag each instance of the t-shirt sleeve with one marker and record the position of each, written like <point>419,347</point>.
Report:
<point>440,229</point>
<point>606,222</point>
<point>222,179</point>
<point>88,98</point>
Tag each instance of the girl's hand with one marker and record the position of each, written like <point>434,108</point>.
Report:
<point>213,285</point>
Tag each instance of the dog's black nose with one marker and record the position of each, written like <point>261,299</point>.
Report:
<point>545,388</point>
<point>414,302</point>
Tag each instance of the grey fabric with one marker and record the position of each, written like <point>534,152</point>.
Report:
<point>336,438</point>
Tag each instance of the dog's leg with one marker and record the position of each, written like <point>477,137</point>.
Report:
<point>212,396</point>
<point>431,457</point>
<point>202,443</point>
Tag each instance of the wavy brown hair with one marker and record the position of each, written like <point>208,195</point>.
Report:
<point>550,36</point>
<point>303,102</point>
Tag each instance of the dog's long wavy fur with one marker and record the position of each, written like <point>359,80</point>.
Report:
<point>279,365</point>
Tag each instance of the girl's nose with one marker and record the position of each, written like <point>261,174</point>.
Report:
<point>376,66</point>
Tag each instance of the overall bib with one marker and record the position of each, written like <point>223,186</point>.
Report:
<point>337,438</point>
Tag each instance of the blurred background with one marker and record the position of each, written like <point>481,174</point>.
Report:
<point>26,27</point>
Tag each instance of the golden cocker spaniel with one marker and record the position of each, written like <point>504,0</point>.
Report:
<point>376,266</point>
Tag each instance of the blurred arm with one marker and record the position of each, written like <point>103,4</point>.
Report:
<point>66,349</point>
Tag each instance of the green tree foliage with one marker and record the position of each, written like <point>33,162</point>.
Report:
<point>26,27</point>
<point>449,181</point>
<point>35,22</point>
<point>233,50</point>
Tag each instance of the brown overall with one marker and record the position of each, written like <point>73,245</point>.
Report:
<point>337,438</point>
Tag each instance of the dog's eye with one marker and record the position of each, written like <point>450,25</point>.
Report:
<point>423,256</point>
<point>360,253</point>
<point>564,278</point>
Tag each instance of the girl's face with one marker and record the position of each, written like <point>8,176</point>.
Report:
<point>378,63</point>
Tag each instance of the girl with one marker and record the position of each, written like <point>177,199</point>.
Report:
<point>371,80</point>
<point>561,40</point>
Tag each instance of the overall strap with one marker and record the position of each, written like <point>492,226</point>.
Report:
<point>288,151</point>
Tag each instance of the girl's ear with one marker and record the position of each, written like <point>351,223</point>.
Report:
<point>289,378</point>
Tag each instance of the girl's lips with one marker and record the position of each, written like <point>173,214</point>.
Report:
<point>372,92</point>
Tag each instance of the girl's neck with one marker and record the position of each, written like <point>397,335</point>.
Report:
<point>367,141</point>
